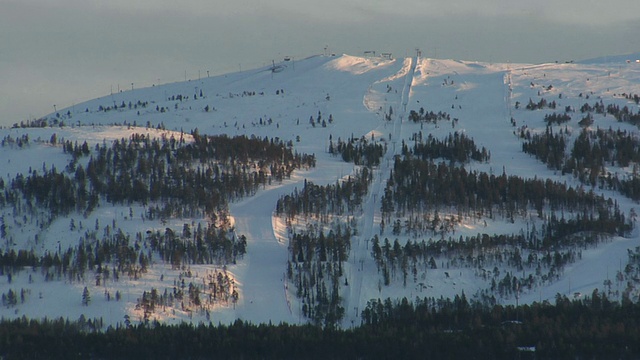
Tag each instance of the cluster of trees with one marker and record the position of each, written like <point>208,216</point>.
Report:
<point>428,116</point>
<point>556,119</point>
<point>251,93</point>
<point>634,97</point>
<point>53,190</point>
<point>316,269</point>
<point>420,185</point>
<point>19,141</point>
<point>210,245</point>
<point>107,259</point>
<point>314,245</point>
<point>216,288</point>
<point>10,259</point>
<point>199,177</point>
<point>130,106</point>
<point>35,123</point>
<point>424,186</point>
<point>320,120</point>
<point>391,259</point>
<point>110,256</point>
<point>527,260</point>
<point>320,201</point>
<point>624,114</point>
<point>127,256</point>
<point>629,277</point>
<point>586,121</point>
<point>548,147</point>
<point>115,254</point>
<point>358,151</point>
<point>542,104</point>
<point>593,327</point>
<point>181,97</point>
<point>423,224</point>
<point>202,175</point>
<point>456,147</point>
<point>598,107</point>
<point>11,297</point>
<point>590,156</point>
<point>606,147</point>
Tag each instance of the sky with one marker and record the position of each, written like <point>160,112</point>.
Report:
<point>57,53</point>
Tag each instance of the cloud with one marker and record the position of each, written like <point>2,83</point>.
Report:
<point>562,11</point>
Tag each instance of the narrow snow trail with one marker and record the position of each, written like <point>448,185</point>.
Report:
<point>360,260</point>
<point>261,273</point>
<point>262,269</point>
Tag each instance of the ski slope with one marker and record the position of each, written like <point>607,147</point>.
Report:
<point>358,93</point>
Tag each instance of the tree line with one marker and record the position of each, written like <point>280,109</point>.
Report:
<point>424,186</point>
<point>428,116</point>
<point>343,197</point>
<point>456,147</point>
<point>593,327</point>
<point>358,151</point>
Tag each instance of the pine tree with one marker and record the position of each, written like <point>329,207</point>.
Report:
<point>86,297</point>
<point>11,298</point>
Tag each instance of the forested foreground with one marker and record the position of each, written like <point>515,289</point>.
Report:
<point>430,328</point>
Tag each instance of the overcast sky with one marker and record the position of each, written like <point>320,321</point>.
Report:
<point>67,51</point>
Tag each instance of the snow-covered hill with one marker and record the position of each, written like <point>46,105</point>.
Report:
<point>311,104</point>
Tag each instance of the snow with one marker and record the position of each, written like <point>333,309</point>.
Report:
<point>358,93</point>
<point>356,65</point>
